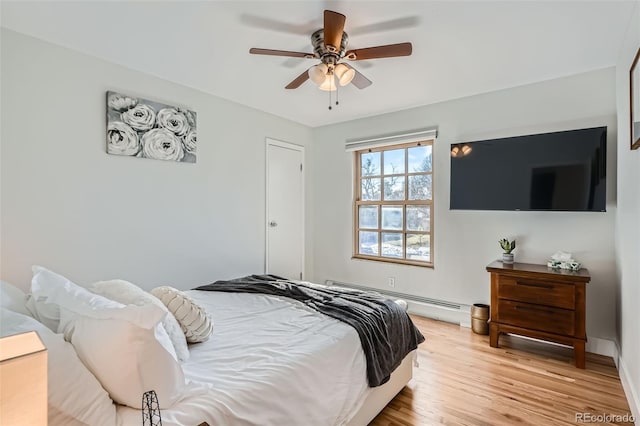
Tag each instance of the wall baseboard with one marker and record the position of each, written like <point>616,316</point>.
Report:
<point>431,308</point>
<point>461,316</point>
<point>633,397</point>
<point>605,347</point>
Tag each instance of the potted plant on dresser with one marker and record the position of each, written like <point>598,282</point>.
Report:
<point>508,247</point>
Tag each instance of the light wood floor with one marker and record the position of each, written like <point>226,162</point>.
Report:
<point>461,380</point>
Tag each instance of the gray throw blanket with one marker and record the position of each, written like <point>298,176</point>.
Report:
<point>386,332</point>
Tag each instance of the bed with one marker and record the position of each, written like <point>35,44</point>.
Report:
<point>271,360</point>
<point>266,364</point>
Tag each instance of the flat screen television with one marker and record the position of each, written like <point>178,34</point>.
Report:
<point>559,171</point>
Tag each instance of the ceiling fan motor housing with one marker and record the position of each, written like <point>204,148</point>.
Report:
<point>328,55</point>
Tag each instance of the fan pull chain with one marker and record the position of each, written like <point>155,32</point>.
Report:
<point>330,84</point>
<point>337,95</point>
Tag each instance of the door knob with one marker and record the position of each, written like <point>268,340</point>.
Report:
<point>273,224</point>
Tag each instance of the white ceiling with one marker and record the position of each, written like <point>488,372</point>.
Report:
<point>460,48</point>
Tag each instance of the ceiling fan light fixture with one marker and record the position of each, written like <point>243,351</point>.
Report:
<point>344,74</point>
<point>330,44</point>
<point>318,73</point>
<point>329,84</point>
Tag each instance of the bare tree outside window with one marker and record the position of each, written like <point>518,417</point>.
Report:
<point>371,186</point>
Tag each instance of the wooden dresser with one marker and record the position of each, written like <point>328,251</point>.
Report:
<point>539,302</point>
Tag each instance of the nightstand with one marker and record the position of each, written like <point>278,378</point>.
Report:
<point>539,302</point>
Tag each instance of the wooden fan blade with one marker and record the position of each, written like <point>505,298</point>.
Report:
<point>297,82</point>
<point>271,52</point>
<point>359,80</point>
<point>388,51</point>
<point>333,29</point>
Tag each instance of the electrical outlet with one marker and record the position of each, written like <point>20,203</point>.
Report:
<point>392,282</point>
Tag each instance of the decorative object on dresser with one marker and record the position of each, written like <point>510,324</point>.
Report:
<point>634,100</point>
<point>139,127</point>
<point>508,247</point>
<point>563,260</point>
<point>539,302</point>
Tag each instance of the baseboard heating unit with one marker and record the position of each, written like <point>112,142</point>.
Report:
<point>431,308</point>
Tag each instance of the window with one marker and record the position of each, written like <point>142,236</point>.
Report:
<point>393,208</point>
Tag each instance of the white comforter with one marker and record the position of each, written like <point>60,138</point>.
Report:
<point>269,361</point>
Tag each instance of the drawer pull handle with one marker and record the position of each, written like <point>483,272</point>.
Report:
<point>540,285</point>
<point>531,309</point>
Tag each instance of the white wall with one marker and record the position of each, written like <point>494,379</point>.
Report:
<point>628,224</point>
<point>466,241</point>
<point>68,205</point>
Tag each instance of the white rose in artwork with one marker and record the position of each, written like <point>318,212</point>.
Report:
<point>121,102</point>
<point>161,144</point>
<point>190,142</point>
<point>122,139</point>
<point>141,117</point>
<point>173,120</point>
<point>191,117</point>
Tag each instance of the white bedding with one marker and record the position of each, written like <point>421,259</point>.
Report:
<point>269,361</point>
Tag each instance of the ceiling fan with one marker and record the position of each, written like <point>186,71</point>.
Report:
<point>330,47</point>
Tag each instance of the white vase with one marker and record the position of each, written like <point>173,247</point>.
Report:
<point>507,257</point>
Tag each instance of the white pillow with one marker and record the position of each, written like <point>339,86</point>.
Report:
<point>193,319</point>
<point>126,357</point>
<point>130,294</point>
<point>46,313</point>
<point>12,298</point>
<point>74,394</point>
<point>46,282</point>
<point>53,293</point>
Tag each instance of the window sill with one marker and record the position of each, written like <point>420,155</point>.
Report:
<point>396,261</point>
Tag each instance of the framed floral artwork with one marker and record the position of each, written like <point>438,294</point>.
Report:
<point>634,92</point>
<point>142,128</point>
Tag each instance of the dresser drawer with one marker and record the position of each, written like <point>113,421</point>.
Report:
<point>548,293</point>
<point>536,317</point>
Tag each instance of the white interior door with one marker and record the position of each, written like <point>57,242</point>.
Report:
<point>285,210</point>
